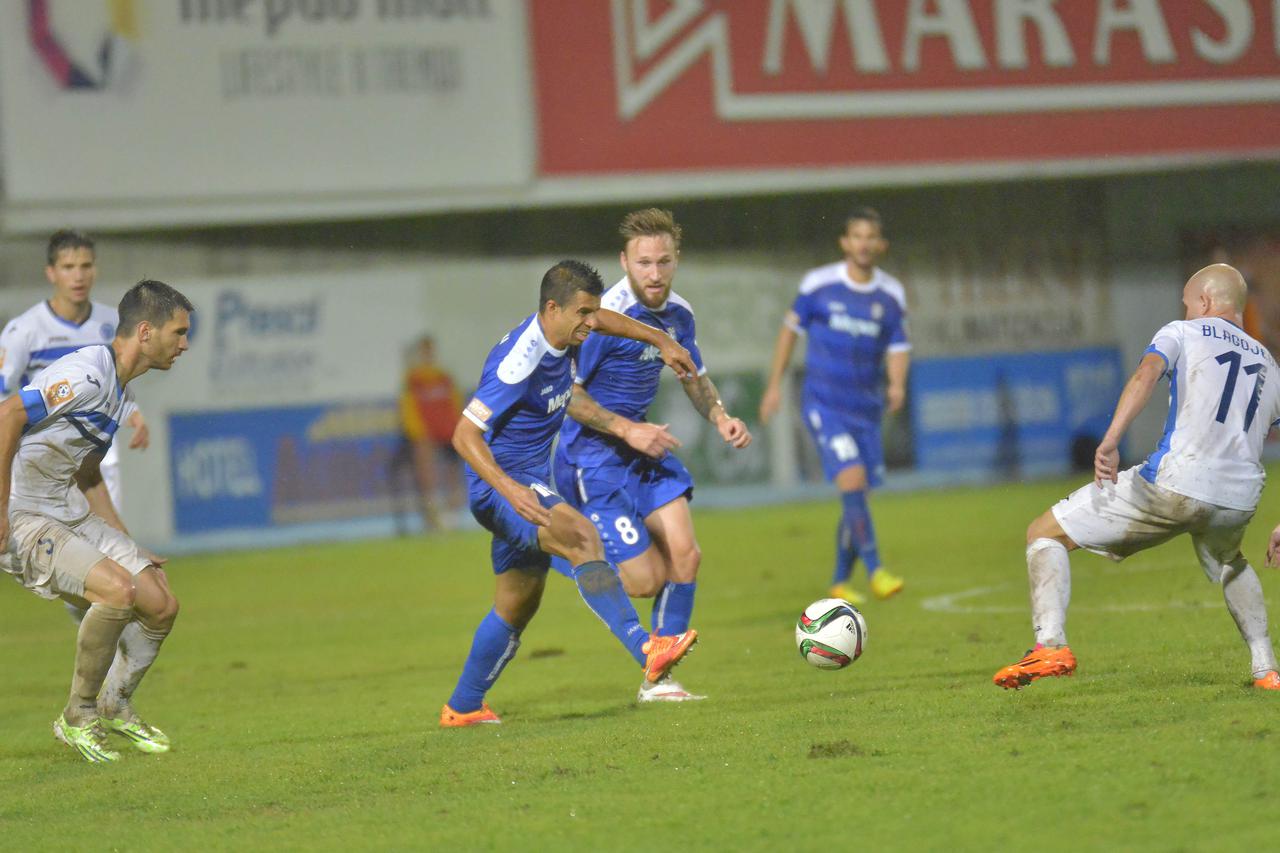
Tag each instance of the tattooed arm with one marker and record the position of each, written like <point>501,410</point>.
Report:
<point>706,400</point>
<point>650,439</point>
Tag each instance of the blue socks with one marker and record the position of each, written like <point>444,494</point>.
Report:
<point>855,537</point>
<point>495,644</point>
<point>601,588</point>
<point>672,608</point>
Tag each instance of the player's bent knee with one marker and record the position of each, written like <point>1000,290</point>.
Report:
<point>111,584</point>
<point>578,538</point>
<point>685,564</point>
<point>1046,526</point>
<point>639,585</point>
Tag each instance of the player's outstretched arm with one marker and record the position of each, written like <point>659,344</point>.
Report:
<point>13,417</point>
<point>468,440</point>
<point>621,326</point>
<point>771,400</point>
<point>1137,391</point>
<point>650,439</point>
<point>896,365</point>
<point>706,400</point>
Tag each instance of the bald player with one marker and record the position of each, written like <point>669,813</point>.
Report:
<point>1204,478</point>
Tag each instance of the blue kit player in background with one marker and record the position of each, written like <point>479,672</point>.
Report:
<point>615,467</point>
<point>854,315</point>
<point>505,436</point>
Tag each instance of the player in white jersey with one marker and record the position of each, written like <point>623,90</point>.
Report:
<point>1204,478</point>
<point>52,437</point>
<point>64,323</point>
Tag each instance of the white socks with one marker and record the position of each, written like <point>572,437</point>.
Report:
<point>137,650</point>
<point>1049,570</point>
<point>95,645</point>
<point>1243,593</point>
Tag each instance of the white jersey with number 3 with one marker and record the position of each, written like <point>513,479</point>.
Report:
<point>1224,397</point>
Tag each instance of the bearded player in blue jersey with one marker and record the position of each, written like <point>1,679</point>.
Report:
<point>505,437</point>
<point>614,466</point>
<point>855,317</point>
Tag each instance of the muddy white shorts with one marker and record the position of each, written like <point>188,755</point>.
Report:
<point>52,558</point>
<point>1120,519</point>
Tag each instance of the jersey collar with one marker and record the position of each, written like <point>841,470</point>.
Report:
<point>858,286</point>
<point>542,338</point>
<point>64,321</point>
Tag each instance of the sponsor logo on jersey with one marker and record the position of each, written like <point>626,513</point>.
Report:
<point>855,326</point>
<point>545,391</point>
<point>559,400</point>
<point>59,392</point>
<point>650,353</point>
<point>479,410</point>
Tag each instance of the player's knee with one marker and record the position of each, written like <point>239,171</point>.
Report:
<point>581,540</point>
<point>642,585</point>
<point>114,586</point>
<point>685,562</point>
<point>168,612</point>
<point>1040,528</point>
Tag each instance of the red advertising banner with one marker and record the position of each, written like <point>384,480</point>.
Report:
<point>649,86</point>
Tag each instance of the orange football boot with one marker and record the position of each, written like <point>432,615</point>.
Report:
<point>1044,662</point>
<point>1270,681</point>
<point>663,653</point>
<point>451,719</point>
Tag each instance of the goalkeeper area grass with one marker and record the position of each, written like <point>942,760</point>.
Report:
<point>302,689</point>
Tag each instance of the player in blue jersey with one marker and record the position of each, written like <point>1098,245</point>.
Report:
<point>505,437</point>
<point>614,466</point>
<point>854,315</point>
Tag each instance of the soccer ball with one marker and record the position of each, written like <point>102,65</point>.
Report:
<point>831,633</point>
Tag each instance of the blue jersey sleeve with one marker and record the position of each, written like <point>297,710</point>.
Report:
<point>591,355</point>
<point>688,338</point>
<point>803,309</point>
<point>494,398</point>
<point>898,336</point>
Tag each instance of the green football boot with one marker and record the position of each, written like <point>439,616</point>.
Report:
<point>90,741</point>
<point>143,736</point>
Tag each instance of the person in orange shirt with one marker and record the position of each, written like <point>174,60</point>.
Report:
<point>429,409</point>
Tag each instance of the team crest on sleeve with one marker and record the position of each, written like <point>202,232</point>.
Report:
<point>59,392</point>
<point>479,410</point>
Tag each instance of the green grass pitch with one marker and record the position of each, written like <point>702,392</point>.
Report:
<point>302,689</point>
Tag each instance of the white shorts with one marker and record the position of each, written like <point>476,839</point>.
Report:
<point>52,558</point>
<point>1120,519</point>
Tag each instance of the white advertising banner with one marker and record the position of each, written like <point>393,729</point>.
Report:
<point>209,104</point>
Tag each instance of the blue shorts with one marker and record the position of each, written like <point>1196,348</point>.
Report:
<point>844,440</point>
<point>515,539</point>
<point>619,496</point>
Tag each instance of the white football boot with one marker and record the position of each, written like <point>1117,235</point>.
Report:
<point>665,690</point>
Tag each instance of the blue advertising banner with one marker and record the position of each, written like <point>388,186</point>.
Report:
<point>257,468</point>
<point>1013,413</point>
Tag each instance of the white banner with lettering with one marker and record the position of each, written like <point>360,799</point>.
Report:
<point>209,104</point>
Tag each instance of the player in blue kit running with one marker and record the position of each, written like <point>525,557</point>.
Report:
<point>855,317</point>
<point>505,437</point>
<point>614,466</point>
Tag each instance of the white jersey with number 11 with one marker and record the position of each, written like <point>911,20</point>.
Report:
<point>1224,397</point>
